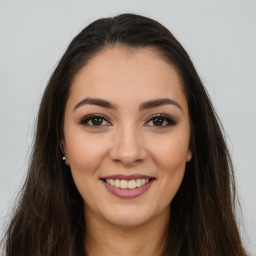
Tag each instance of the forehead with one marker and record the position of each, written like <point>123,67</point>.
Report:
<point>135,74</point>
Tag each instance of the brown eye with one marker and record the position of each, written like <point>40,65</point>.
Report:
<point>95,121</point>
<point>161,121</point>
<point>158,121</point>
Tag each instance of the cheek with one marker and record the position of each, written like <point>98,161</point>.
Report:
<point>172,153</point>
<point>86,157</point>
<point>86,154</point>
<point>171,158</point>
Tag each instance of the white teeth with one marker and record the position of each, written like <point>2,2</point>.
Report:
<point>127,184</point>
<point>117,183</point>
<point>123,184</point>
<point>132,184</point>
<point>138,183</point>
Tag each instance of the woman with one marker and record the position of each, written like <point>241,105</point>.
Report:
<point>146,170</point>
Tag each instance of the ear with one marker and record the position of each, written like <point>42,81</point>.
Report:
<point>189,155</point>
<point>63,148</point>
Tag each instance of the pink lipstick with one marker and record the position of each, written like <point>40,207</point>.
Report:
<point>128,186</point>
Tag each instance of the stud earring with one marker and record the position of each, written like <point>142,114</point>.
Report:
<point>64,158</point>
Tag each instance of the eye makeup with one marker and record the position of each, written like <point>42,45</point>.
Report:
<point>98,120</point>
<point>95,121</point>
<point>160,121</point>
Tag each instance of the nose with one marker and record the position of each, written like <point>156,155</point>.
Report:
<point>127,147</point>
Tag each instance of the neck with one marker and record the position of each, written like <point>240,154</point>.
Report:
<point>104,239</point>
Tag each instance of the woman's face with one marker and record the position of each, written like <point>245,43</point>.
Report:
<point>127,134</point>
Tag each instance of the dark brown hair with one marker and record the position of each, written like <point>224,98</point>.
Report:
<point>49,220</point>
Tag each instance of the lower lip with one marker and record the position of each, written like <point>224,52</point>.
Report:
<point>128,193</point>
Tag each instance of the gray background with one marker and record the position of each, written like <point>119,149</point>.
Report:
<point>220,37</point>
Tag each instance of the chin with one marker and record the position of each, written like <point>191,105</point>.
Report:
<point>127,221</point>
<point>128,216</point>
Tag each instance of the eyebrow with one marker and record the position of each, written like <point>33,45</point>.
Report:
<point>158,103</point>
<point>93,101</point>
<point>145,105</point>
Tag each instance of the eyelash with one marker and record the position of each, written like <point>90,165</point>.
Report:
<point>165,118</point>
<point>85,121</point>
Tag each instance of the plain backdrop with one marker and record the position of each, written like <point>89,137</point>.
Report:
<point>220,37</point>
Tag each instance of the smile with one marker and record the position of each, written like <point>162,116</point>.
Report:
<point>124,184</point>
<point>128,187</point>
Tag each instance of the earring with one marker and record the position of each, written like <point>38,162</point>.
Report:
<point>64,158</point>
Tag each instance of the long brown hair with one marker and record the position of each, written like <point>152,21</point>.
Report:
<point>48,219</point>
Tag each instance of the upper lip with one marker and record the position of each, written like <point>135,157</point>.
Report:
<point>127,177</point>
